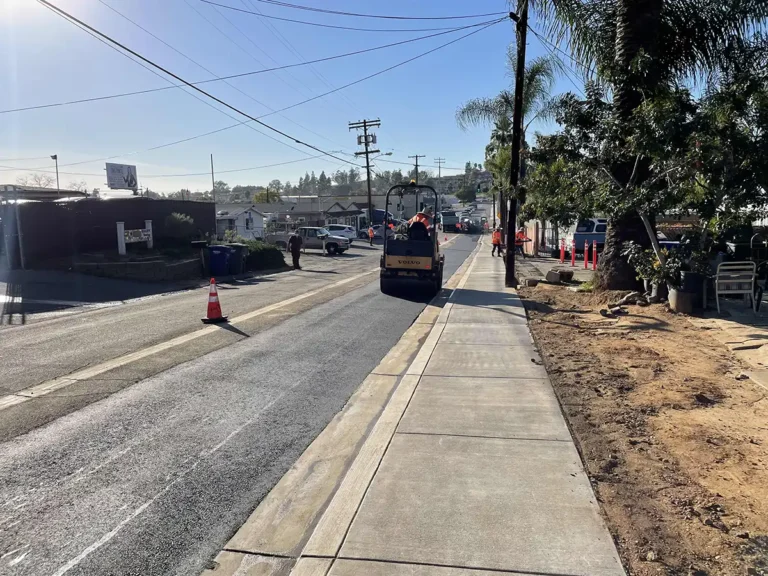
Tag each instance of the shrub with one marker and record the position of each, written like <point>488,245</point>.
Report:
<point>263,256</point>
<point>179,228</point>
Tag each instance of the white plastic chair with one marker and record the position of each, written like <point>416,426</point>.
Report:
<point>736,278</point>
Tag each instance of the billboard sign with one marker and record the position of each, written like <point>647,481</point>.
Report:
<point>122,177</point>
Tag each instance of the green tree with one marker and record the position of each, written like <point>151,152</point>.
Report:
<point>538,103</point>
<point>341,177</point>
<point>353,175</point>
<point>638,48</point>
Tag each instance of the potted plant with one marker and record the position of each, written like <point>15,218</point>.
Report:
<point>693,275</point>
<point>643,263</point>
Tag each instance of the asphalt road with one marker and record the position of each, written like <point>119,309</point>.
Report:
<point>154,478</point>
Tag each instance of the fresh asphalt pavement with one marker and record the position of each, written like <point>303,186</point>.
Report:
<point>155,478</point>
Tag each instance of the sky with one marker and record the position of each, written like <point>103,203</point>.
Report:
<point>45,59</point>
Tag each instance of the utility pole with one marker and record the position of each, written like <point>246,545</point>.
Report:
<point>416,158</point>
<point>213,185</point>
<point>58,188</point>
<point>366,140</point>
<point>521,20</point>
<point>439,162</point>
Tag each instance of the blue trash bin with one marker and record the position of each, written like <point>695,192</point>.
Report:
<point>219,260</point>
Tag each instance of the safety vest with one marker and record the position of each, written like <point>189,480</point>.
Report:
<point>421,217</point>
<point>370,232</point>
<point>520,237</point>
<point>496,237</point>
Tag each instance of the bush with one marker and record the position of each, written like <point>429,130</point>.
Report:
<point>179,228</point>
<point>263,256</point>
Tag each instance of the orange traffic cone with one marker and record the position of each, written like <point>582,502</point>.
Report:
<point>214,315</point>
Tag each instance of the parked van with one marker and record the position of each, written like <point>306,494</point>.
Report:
<point>589,230</point>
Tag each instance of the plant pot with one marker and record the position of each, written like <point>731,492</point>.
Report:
<point>658,292</point>
<point>693,282</point>
<point>680,301</point>
<point>647,286</point>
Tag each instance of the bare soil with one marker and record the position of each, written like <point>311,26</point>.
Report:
<point>674,439</point>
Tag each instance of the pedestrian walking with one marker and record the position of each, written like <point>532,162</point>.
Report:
<point>496,241</point>
<point>370,234</point>
<point>295,242</point>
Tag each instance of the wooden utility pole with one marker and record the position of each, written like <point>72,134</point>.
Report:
<point>416,158</point>
<point>439,162</point>
<point>521,20</point>
<point>213,184</point>
<point>366,140</point>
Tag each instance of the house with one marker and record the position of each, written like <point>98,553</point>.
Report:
<point>350,216</point>
<point>244,219</point>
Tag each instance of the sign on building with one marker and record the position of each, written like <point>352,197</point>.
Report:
<point>132,236</point>
<point>122,177</point>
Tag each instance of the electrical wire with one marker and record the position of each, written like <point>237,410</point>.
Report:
<point>292,106</point>
<point>196,63</point>
<point>341,13</point>
<point>380,72</point>
<point>180,79</point>
<point>239,75</point>
<point>318,24</point>
<point>144,176</point>
<point>289,45</point>
<point>544,43</point>
<point>113,44</point>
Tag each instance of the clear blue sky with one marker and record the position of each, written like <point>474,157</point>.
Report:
<point>46,59</point>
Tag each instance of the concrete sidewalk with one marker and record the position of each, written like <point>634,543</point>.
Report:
<point>469,470</point>
<point>471,466</point>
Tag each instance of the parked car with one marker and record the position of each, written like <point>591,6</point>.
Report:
<point>377,232</point>
<point>342,230</point>
<point>313,238</point>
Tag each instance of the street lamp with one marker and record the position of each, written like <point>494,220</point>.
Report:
<point>56,158</point>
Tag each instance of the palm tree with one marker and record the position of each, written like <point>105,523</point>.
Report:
<point>540,75</point>
<point>638,47</point>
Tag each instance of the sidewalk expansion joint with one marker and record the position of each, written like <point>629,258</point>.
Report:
<point>265,554</point>
<point>482,436</point>
<point>454,566</point>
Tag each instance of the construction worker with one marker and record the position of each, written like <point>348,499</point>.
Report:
<point>496,241</point>
<point>370,234</point>
<point>520,239</point>
<point>425,217</point>
<point>295,243</point>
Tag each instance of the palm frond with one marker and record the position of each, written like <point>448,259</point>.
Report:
<point>484,111</point>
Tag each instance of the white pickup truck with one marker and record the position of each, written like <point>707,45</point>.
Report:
<point>313,238</point>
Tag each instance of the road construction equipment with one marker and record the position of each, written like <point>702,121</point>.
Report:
<point>412,257</point>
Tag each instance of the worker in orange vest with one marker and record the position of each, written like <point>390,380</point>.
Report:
<point>520,239</point>
<point>370,234</point>
<point>496,241</point>
<point>425,217</point>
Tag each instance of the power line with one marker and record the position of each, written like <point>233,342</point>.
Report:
<point>318,24</point>
<point>292,106</point>
<point>386,69</point>
<point>180,79</point>
<point>196,63</point>
<point>567,67</point>
<point>341,13</point>
<point>145,176</point>
<point>114,46</point>
<point>239,75</point>
<point>287,43</point>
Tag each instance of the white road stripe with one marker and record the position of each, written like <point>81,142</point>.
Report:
<point>63,381</point>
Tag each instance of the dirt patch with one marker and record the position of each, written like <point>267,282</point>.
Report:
<point>674,444</point>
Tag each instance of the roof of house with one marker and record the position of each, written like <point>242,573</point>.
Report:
<point>229,211</point>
